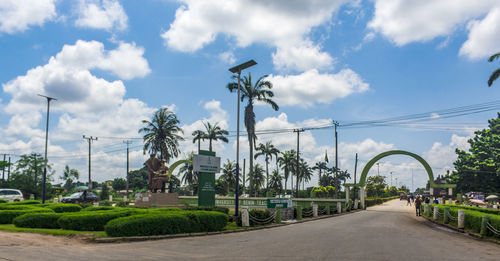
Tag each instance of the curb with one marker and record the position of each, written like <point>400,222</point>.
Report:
<point>148,238</point>
<point>472,234</point>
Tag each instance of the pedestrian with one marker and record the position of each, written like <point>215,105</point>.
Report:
<point>409,202</point>
<point>427,200</point>
<point>418,203</point>
<point>412,197</point>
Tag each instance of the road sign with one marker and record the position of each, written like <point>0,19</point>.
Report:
<point>278,202</point>
<point>205,163</point>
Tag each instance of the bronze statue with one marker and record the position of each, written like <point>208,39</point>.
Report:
<point>157,174</point>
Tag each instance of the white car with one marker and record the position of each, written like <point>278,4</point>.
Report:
<point>11,195</point>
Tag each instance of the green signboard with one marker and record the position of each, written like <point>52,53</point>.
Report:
<point>206,185</point>
<point>279,202</point>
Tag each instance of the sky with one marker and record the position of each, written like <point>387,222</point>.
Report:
<point>112,64</point>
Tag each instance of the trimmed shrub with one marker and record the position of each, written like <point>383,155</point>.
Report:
<point>6,216</point>
<point>3,201</point>
<point>167,223</point>
<point>484,210</point>
<point>38,220</point>
<point>16,207</point>
<point>161,210</point>
<point>220,209</point>
<point>89,221</point>
<point>101,208</point>
<point>63,207</point>
<point>26,202</point>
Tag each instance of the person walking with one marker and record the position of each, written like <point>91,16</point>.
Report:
<point>418,203</point>
<point>408,200</point>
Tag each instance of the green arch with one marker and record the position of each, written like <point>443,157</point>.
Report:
<point>428,169</point>
<point>174,165</point>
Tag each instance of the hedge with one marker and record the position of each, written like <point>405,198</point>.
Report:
<point>220,209</point>
<point>16,207</point>
<point>89,221</point>
<point>159,210</point>
<point>6,216</point>
<point>168,223</point>
<point>26,202</point>
<point>38,220</point>
<point>3,201</point>
<point>485,210</point>
<point>101,208</point>
<point>63,207</point>
<point>376,201</point>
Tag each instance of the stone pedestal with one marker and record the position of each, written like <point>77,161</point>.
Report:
<point>339,207</point>
<point>436,213</point>
<point>149,199</point>
<point>356,202</point>
<point>245,220</point>
<point>450,191</point>
<point>315,210</point>
<point>56,200</point>
<point>347,194</point>
<point>431,191</point>
<point>362,197</point>
<point>461,219</point>
<point>110,198</point>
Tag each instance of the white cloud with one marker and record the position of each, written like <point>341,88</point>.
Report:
<point>402,22</point>
<point>435,115</point>
<point>311,87</point>
<point>19,15</point>
<point>227,57</point>
<point>283,24</point>
<point>102,14</point>
<point>484,36</point>
<point>442,156</point>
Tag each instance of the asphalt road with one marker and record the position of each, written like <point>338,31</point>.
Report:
<point>386,232</point>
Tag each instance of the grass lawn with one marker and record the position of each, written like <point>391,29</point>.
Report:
<point>55,232</point>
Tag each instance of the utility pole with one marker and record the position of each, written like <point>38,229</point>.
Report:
<point>90,139</point>
<point>391,179</point>
<point>3,169</point>
<point>244,180</point>
<point>397,183</point>
<point>46,142</point>
<point>128,142</point>
<point>297,167</point>
<point>336,124</point>
<point>411,179</point>
<point>355,168</point>
<point>378,168</point>
<point>8,171</point>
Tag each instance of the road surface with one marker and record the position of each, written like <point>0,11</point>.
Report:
<point>385,232</point>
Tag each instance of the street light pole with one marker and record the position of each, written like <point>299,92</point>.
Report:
<point>238,69</point>
<point>90,139</point>
<point>44,180</point>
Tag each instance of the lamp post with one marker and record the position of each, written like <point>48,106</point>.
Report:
<point>237,69</point>
<point>44,180</point>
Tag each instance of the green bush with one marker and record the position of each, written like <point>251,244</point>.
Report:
<point>220,209</point>
<point>101,208</point>
<point>484,210</point>
<point>90,221</point>
<point>6,216</point>
<point>26,202</point>
<point>64,207</point>
<point>161,210</point>
<point>3,201</point>
<point>4,206</point>
<point>38,220</point>
<point>167,223</point>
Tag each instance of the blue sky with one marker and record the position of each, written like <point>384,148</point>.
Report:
<point>113,63</point>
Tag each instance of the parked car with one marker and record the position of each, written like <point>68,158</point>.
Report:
<point>11,195</point>
<point>79,197</point>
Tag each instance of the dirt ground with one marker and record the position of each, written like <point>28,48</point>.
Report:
<point>33,239</point>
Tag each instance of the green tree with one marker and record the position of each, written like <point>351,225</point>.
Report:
<point>479,169</point>
<point>189,177</point>
<point>161,134</point>
<point>320,166</point>
<point>496,73</point>
<point>257,179</point>
<point>268,151</point>
<point>214,133</point>
<point>327,180</point>
<point>138,179</point>
<point>119,184</point>
<point>228,175</point>
<point>287,160</point>
<point>68,176</point>
<point>305,173</point>
<point>198,135</point>
<point>275,182</point>
<point>104,192</point>
<point>261,92</point>
<point>375,185</point>
<point>27,176</point>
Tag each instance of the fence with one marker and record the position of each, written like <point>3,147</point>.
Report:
<point>259,202</point>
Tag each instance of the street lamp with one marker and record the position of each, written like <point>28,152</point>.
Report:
<point>46,140</point>
<point>237,69</point>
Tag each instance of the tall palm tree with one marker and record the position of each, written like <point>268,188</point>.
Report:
<point>161,134</point>
<point>287,162</point>
<point>198,135</point>
<point>319,166</point>
<point>68,175</point>
<point>189,177</point>
<point>260,91</point>
<point>228,174</point>
<point>267,150</point>
<point>496,73</point>
<point>215,132</point>
<point>305,173</point>
<point>257,179</point>
<point>275,181</point>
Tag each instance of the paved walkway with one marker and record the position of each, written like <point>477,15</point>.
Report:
<point>386,232</point>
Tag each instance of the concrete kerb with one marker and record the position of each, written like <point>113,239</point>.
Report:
<point>467,232</point>
<point>147,238</point>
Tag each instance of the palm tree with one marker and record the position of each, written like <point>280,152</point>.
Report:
<point>189,177</point>
<point>319,167</point>
<point>261,92</point>
<point>275,181</point>
<point>68,175</point>
<point>343,175</point>
<point>305,172</point>
<point>198,135</point>
<point>495,73</point>
<point>257,179</point>
<point>287,162</point>
<point>228,174</point>
<point>267,150</point>
<point>161,134</point>
<point>215,132</point>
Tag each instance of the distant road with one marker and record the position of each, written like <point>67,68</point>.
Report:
<point>386,232</point>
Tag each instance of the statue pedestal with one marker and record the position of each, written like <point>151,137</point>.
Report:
<point>149,199</point>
